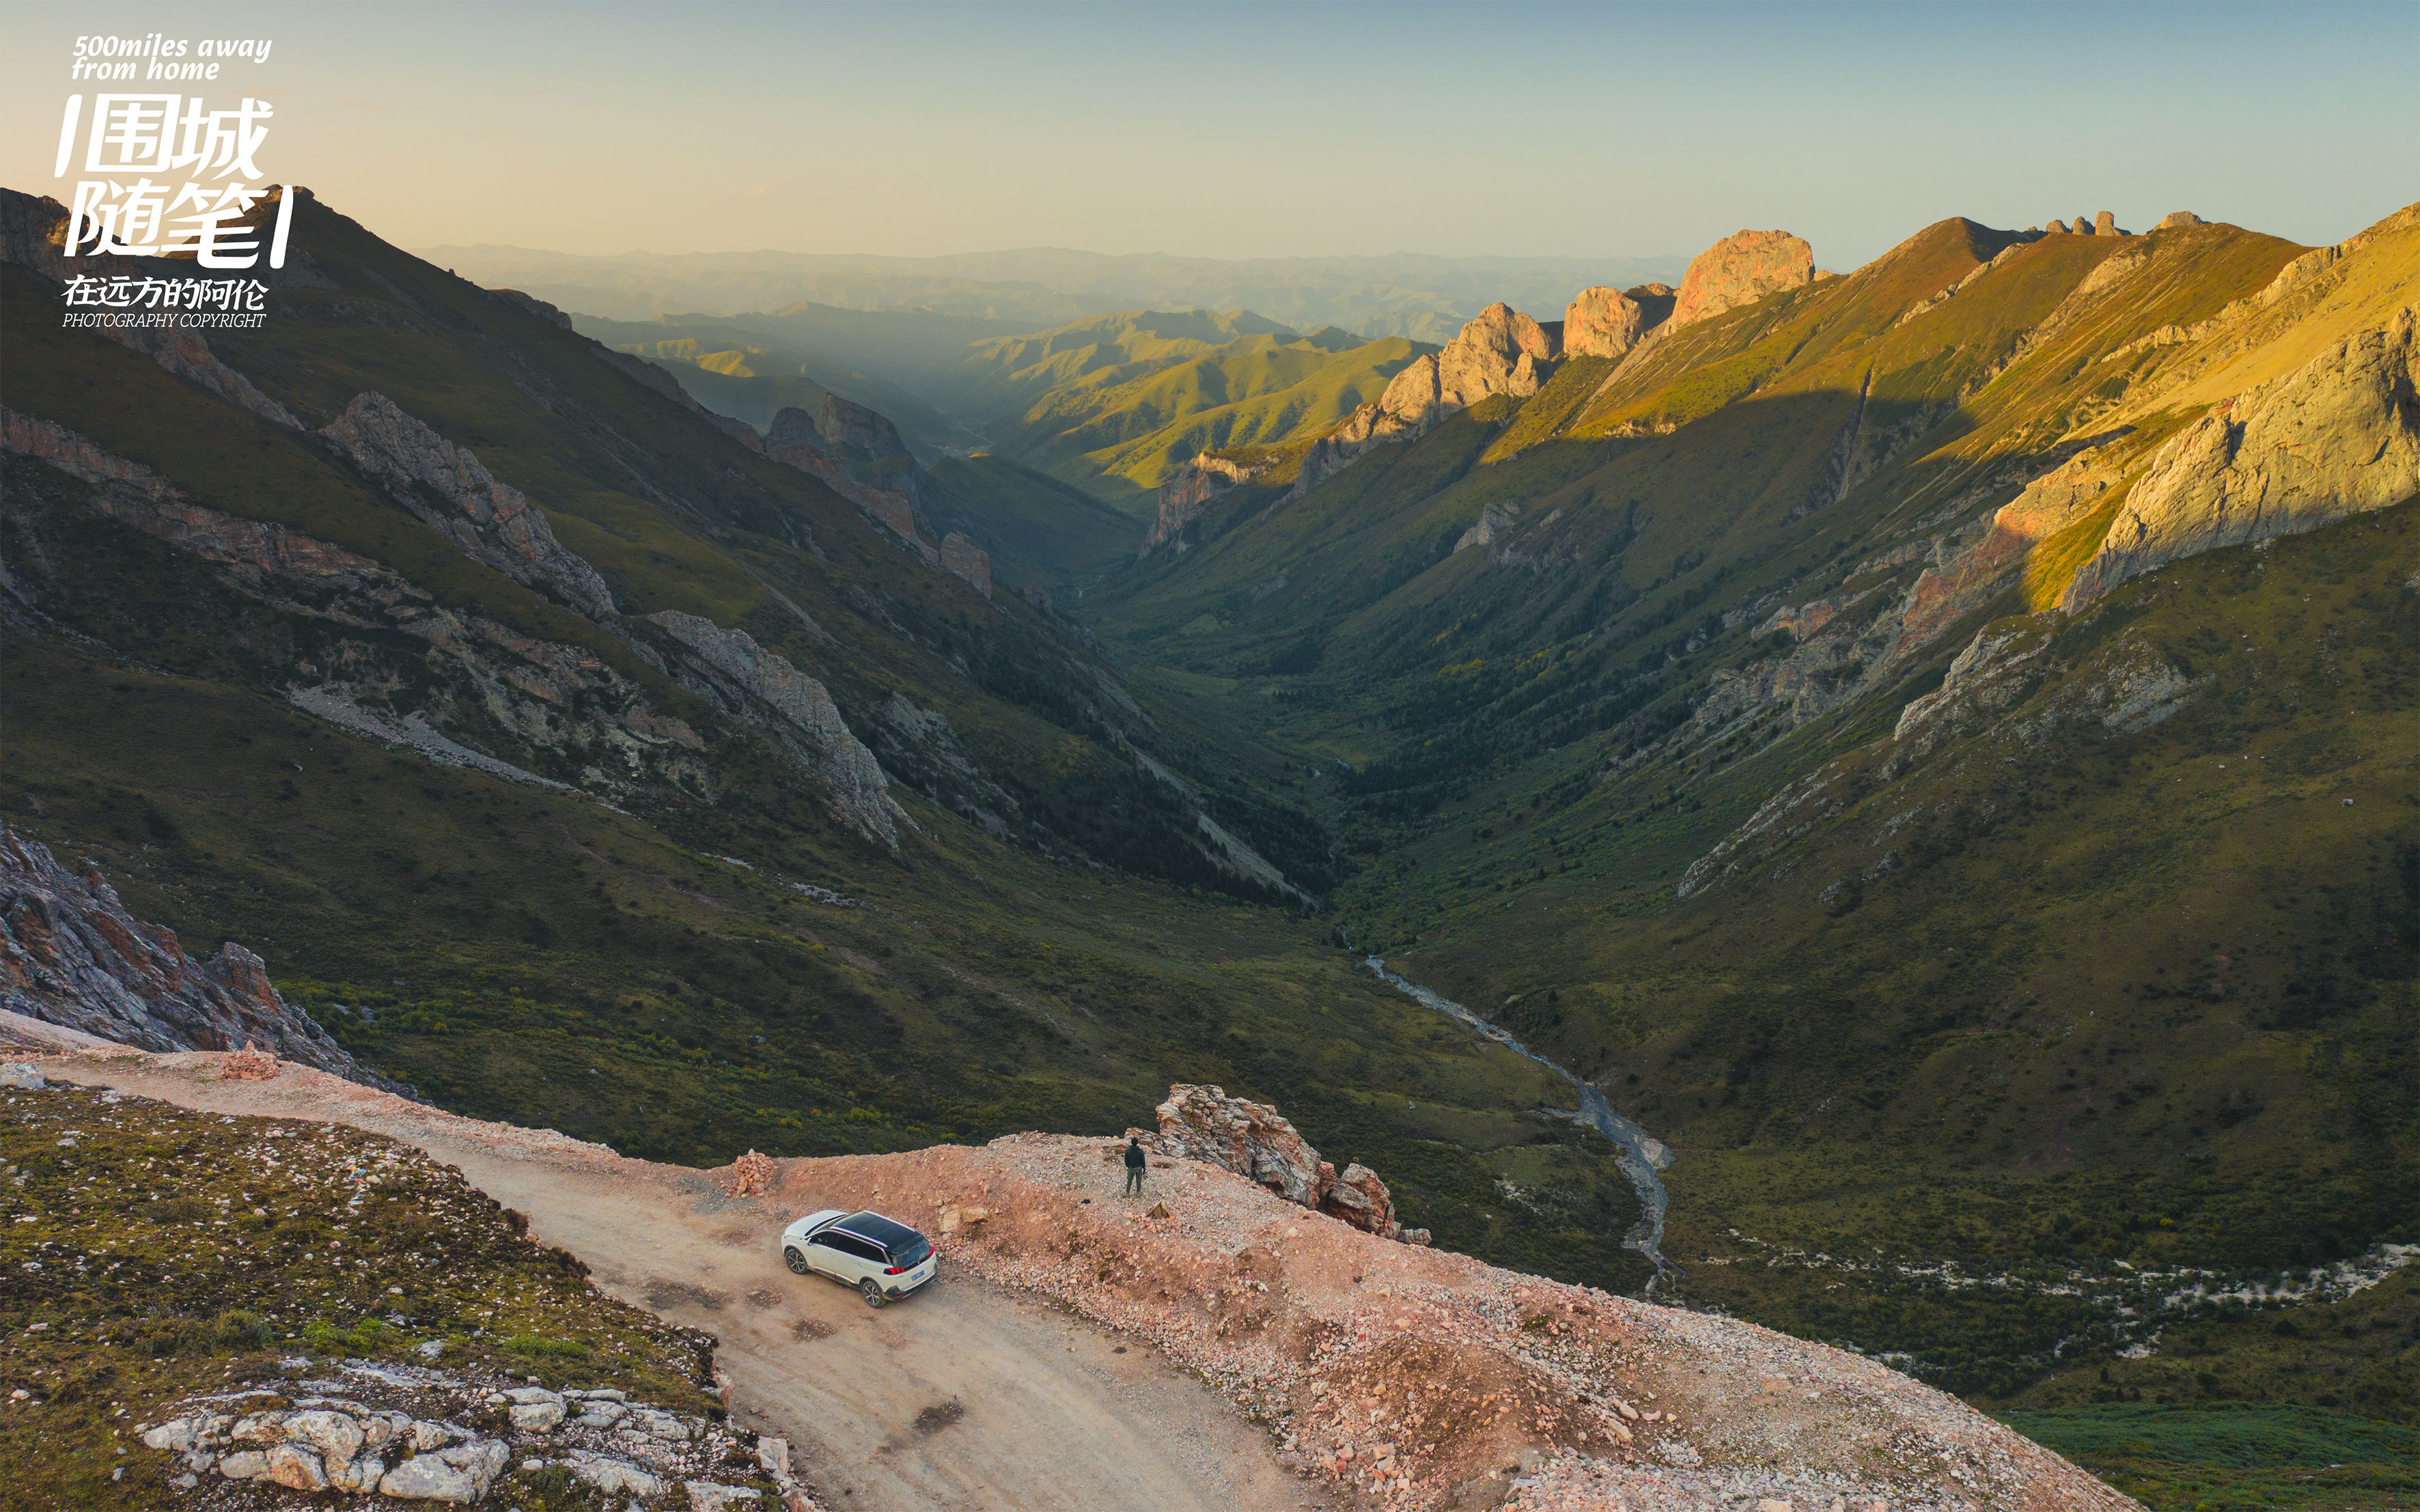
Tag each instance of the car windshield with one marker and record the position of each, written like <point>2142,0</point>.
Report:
<point>902,1243</point>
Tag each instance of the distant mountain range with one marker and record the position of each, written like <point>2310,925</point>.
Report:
<point>1400,294</point>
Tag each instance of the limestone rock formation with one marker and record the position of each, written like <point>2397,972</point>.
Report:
<point>1497,518</point>
<point>186,354</point>
<point>2056,227</point>
<point>961,556</point>
<point>1250,1138</point>
<point>1183,497</point>
<point>1950,589</point>
<point>1603,322</point>
<point>1203,1123</point>
<point>764,689</point>
<point>2337,437</point>
<point>71,954</point>
<point>820,444</point>
<point>2177,218</point>
<point>1501,350</point>
<point>846,423</point>
<point>562,702</point>
<point>407,1441</point>
<point>1741,270</point>
<point>491,521</point>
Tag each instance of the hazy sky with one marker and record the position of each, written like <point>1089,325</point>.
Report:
<point>1283,129</point>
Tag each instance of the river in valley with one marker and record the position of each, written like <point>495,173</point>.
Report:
<point>1639,1154</point>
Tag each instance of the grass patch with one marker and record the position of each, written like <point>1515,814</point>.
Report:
<point>2216,1456</point>
<point>154,1253</point>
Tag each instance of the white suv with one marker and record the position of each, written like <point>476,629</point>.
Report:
<point>882,1259</point>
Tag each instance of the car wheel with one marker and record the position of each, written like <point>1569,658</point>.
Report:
<point>795,1262</point>
<point>872,1291</point>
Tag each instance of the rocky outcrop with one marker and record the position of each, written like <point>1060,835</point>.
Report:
<point>532,305</point>
<point>1949,590</point>
<point>447,488</point>
<point>793,439</point>
<point>1741,270</point>
<point>814,445</point>
<point>968,561</point>
<point>1495,518</point>
<point>1500,351</point>
<point>1603,322</point>
<point>1250,1138</point>
<point>1183,497</point>
<point>845,423</point>
<point>70,954</point>
<point>1203,1123</point>
<point>566,707</point>
<point>2337,437</point>
<point>763,689</point>
<point>2178,218</point>
<point>186,354</point>
<point>400,1434</point>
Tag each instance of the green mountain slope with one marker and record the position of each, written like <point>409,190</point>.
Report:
<point>551,861</point>
<point>1117,403</point>
<point>1604,689</point>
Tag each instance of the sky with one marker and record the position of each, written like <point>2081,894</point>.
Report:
<point>1251,130</point>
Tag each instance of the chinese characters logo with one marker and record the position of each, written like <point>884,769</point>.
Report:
<point>129,213</point>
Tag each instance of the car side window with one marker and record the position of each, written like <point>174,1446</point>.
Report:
<point>830,1240</point>
<point>859,1247</point>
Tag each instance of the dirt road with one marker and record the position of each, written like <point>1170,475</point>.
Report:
<point>963,1396</point>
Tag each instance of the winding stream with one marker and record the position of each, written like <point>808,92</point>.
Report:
<point>1639,1154</point>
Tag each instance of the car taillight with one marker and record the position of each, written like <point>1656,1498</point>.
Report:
<point>894,1270</point>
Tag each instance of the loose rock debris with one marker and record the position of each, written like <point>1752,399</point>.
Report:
<point>1404,1377</point>
<point>1414,1378</point>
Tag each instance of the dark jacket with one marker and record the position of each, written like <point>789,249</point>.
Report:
<point>1134,1154</point>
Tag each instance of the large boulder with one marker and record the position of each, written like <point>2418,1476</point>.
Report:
<point>1251,1139</point>
<point>1741,270</point>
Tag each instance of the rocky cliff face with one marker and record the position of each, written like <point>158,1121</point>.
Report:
<point>448,488</point>
<point>1741,270</point>
<point>845,423</point>
<point>2338,436</point>
<point>972,564</point>
<point>821,446</point>
<point>1500,351</point>
<point>753,683</point>
<point>71,954</point>
<point>1203,1123</point>
<point>1183,497</point>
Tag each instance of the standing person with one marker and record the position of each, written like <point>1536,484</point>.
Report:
<point>1134,1167</point>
